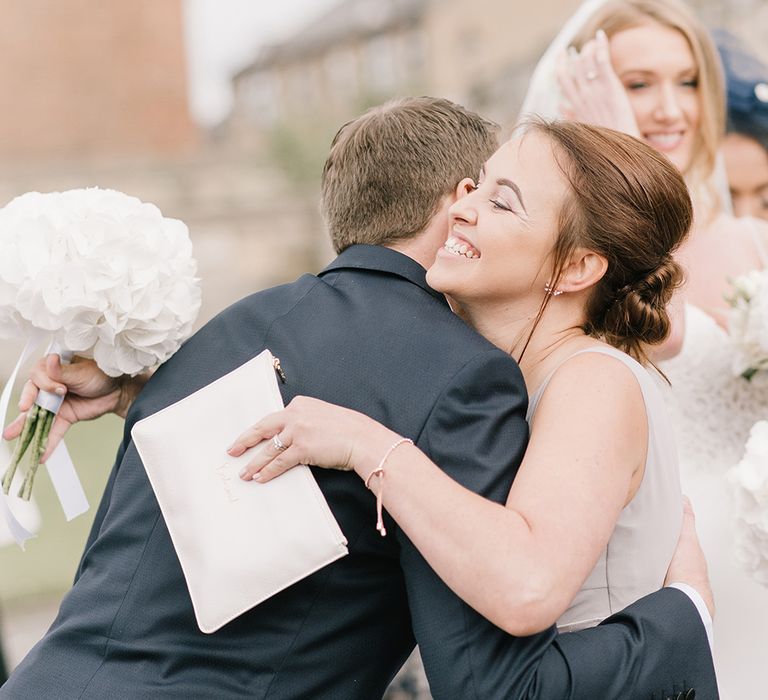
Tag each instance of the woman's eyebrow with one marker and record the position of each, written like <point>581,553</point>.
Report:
<point>508,183</point>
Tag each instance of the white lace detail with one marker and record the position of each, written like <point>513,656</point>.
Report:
<point>711,409</point>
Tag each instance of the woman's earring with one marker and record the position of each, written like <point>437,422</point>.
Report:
<point>553,292</point>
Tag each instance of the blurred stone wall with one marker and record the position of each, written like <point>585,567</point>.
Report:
<point>83,78</point>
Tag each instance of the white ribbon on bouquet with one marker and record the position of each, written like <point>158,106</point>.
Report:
<point>60,468</point>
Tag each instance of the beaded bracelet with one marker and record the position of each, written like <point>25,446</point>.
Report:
<point>379,471</point>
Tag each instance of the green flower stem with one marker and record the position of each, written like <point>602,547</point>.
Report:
<point>25,438</point>
<point>39,441</point>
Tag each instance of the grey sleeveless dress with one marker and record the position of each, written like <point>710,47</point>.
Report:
<point>637,556</point>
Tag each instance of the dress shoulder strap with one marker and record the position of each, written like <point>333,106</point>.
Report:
<point>637,369</point>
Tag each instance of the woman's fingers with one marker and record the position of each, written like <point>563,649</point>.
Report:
<point>53,367</point>
<point>592,89</point>
<point>307,431</point>
<point>55,436</point>
<point>270,464</point>
<point>602,53</point>
<point>585,66</point>
<point>58,430</point>
<point>82,377</point>
<point>44,376</point>
<point>265,428</point>
<point>28,395</point>
<point>266,453</point>
<point>13,429</point>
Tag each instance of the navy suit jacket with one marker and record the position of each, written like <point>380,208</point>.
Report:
<point>367,333</point>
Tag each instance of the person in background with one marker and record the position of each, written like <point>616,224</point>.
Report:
<point>650,68</point>
<point>745,148</point>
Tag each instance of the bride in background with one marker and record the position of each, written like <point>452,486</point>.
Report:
<point>649,68</point>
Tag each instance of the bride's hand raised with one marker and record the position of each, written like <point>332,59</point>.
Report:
<point>310,431</point>
<point>593,91</point>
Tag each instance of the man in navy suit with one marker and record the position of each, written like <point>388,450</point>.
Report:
<point>369,334</point>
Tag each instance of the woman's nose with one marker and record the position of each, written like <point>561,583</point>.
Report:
<point>463,209</point>
<point>668,107</point>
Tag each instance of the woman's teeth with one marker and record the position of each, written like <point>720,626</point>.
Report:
<point>458,247</point>
<point>665,142</point>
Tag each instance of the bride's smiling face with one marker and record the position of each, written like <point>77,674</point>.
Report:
<point>659,73</point>
<point>503,229</point>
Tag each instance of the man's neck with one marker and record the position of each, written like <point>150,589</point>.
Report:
<point>421,250</point>
<point>423,246</point>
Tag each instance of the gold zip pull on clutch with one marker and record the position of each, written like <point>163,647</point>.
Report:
<point>278,369</point>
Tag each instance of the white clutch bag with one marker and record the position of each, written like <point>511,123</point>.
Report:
<point>238,542</point>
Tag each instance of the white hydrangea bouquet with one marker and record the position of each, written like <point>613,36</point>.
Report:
<point>749,479</point>
<point>748,323</point>
<point>101,274</point>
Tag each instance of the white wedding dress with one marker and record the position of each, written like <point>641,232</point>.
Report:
<point>712,411</point>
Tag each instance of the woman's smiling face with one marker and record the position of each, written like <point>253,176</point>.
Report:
<point>503,230</point>
<point>659,73</point>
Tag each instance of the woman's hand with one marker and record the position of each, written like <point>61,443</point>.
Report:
<point>310,431</point>
<point>689,565</point>
<point>89,394</point>
<point>592,89</point>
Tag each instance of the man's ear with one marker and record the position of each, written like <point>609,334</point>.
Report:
<point>584,270</point>
<point>463,188</point>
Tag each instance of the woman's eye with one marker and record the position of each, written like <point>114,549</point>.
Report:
<point>692,83</point>
<point>636,85</point>
<point>499,204</point>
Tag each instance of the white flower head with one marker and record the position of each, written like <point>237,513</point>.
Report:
<point>748,323</point>
<point>749,480</point>
<point>106,273</point>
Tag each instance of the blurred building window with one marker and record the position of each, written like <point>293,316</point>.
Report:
<point>259,98</point>
<point>413,52</point>
<point>342,72</point>
<point>380,57</point>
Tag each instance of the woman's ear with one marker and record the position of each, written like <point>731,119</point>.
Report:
<point>584,270</point>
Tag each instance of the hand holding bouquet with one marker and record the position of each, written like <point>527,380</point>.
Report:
<point>748,323</point>
<point>106,276</point>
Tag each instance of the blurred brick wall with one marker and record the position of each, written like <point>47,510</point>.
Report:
<point>83,78</point>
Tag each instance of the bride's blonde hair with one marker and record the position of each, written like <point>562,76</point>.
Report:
<point>618,15</point>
